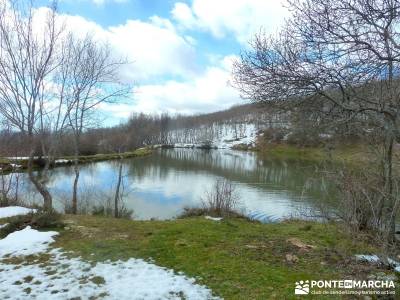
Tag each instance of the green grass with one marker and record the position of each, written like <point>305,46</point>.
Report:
<point>4,160</point>
<point>236,258</point>
<point>102,157</point>
<point>353,154</point>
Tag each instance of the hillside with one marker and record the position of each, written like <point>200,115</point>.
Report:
<point>239,125</point>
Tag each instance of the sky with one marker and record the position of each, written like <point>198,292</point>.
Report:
<point>181,52</point>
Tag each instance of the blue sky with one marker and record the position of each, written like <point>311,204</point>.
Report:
<point>182,49</point>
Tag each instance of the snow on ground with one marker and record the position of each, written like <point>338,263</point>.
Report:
<point>15,166</point>
<point>4,225</point>
<point>368,258</point>
<point>11,211</point>
<point>58,276</point>
<point>376,260</point>
<point>212,218</point>
<point>62,161</point>
<point>394,264</point>
<point>66,278</point>
<point>229,138</point>
<point>19,157</point>
<point>221,136</point>
<point>26,242</point>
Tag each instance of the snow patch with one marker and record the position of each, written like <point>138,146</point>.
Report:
<point>137,279</point>
<point>15,166</point>
<point>213,219</point>
<point>247,135</point>
<point>368,258</point>
<point>65,278</point>
<point>394,264</point>
<point>375,259</point>
<point>11,211</point>
<point>181,145</point>
<point>216,135</point>
<point>20,158</point>
<point>4,225</point>
<point>62,161</point>
<point>26,242</point>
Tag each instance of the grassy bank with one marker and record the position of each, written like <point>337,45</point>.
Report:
<point>236,258</point>
<point>103,157</point>
<point>8,164</point>
<point>352,154</point>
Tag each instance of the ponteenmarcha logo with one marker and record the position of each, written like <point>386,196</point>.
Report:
<point>302,287</point>
<point>345,287</point>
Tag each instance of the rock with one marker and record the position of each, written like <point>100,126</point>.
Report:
<point>368,258</point>
<point>301,245</point>
<point>181,243</point>
<point>255,246</point>
<point>251,246</point>
<point>291,258</point>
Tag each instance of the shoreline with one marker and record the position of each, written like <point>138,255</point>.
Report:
<point>15,165</point>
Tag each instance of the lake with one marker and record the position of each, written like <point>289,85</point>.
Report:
<point>161,185</point>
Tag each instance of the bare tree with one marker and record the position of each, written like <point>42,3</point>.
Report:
<point>117,195</point>
<point>28,59</point>
<point>344,53</point>
<point>89,75</point>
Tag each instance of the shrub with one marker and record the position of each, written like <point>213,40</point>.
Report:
<point>220,201</point>
<point>107,210</point>
<point>206,145</point>
<point>189,212</point>
<point>38,220</point>
<point>364,201</point>
<point>363,205</point>
<point>304,138</point>
<point>241,147</point>
<point>222,198</point>
<point>274,135</point>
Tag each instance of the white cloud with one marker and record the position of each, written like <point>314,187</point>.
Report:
<point>101,2</point>
<point>210,91</point>
<point>242,18</point>
<point>183,13</point>
<point>154,48</point>
<point>164,66</point>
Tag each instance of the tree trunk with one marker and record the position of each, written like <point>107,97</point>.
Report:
<point>4,194</point>
<point>17,189</point>
<point>74,208</point>
<point>389,213</point>
<point>117,192</point>
<point>41,188</point>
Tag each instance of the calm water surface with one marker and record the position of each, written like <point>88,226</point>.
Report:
<point>161,185</point>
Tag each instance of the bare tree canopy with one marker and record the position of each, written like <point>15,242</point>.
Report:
<point>51,81</point>
<point>328,48</point>
<point>28,59</point>
<point>343,53</point>
<point>88,76</point>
